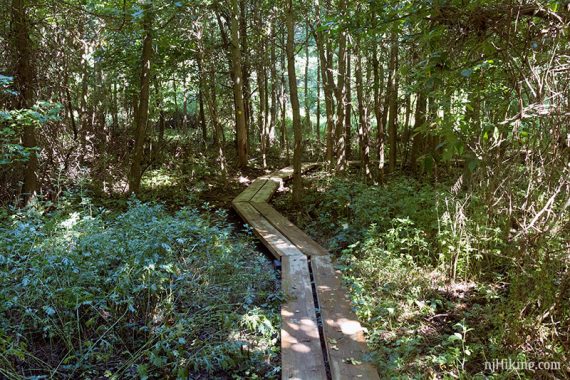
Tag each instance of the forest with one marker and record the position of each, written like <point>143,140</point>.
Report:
<point>427,144</point>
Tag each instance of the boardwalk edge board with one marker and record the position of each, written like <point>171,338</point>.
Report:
<point>305,351</point>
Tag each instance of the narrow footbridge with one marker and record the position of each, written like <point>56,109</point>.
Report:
<point>321,337</point>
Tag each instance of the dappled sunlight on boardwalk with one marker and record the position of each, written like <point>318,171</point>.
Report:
<point>337,349</point>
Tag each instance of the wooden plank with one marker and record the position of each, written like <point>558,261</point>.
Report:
<point>278,244</point>
<point>301,352</point>
<point>274,181</point>
<point>251,190</point>
<point>287,173</point>
<point>343,334</point>
<point>266,192</point>
<point>307,245</point>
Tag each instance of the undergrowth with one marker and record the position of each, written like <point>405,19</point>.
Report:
<point>89,293</point>
<point>434,280</point>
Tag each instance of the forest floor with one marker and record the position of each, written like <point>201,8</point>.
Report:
<point>421,324</point>
<point>387,240</point>
<point>171,284</point>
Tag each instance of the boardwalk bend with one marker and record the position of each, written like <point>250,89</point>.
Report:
<point>313,293</point>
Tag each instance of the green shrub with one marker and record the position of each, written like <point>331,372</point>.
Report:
<point>141,294</point>
<point>440,280</point>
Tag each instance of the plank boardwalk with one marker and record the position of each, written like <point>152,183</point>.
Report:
<point>306,349</point>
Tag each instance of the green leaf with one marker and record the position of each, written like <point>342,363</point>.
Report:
<point>352,361</point>
<point>49,310</point>
<point>472,165</point>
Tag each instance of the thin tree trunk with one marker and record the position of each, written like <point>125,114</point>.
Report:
<point>363,123</point>
<point>100,131</point>
<point>218,130</point>
<point>297,129</point>
<point>261,113</point>
<point>69,103</point>
<point>266,106</point>
<point>418,136</point>
<point>156,150</point>
<point>245,66</point>
<point>115,107</point>
<point>348,112</point>
<point>406,136</point>
<point>378,112</point>
<point>318,126</point>
<point>326,67</point>
<point>393,102</point>
<point>340,132</point>
<point>84,110</point>
<point>24,85</point>
<point>238,86</point>
<point>282,106</point>
<point>307,121</point>
<point>185,95</point>
<point>284,138</point>
<point>176,111</point>
<point>142,111</point>
<point>274,79</point>
<point>203,125</point>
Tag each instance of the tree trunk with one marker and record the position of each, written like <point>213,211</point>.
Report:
<point>185,95</point>
<point>176,112</point>
<point>240,12</point>
<point>348,111</point>
<point>407,131</point>
<point>283,103</point>
<point>156,150</point>
<point>318,126</point>
<point>84,118</point>
<point>340,134</point>
<point>141,117</point>
<point>218,130</point>
<point>273,110</point>
<point>115,107</point>
<point>24,85</point>
<point>363,124</point>
<point>378,112</point>
<point>203,125</point>
<point>393,102</point>
<point>238,86</point>
<point>307,121</point>
<point>69,103</point>
<point>261,112</point>
<point>418,136</point>
<point>326,67</point>
<point>297,182</point>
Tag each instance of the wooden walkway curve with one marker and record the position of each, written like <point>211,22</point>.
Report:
<point>318,327</point>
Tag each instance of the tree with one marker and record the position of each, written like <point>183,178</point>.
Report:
<point>379,112</point>
<point>363,118</point>
<point>418,136</point>
<point>24,78</point>
<point>340,131</point>
<point>326,67</point>
<point>238,86</point>
<point>392,99</point>
<point>141,116</point>
<point>295,107</point>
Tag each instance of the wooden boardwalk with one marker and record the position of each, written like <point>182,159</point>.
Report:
<point>319,330</point>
